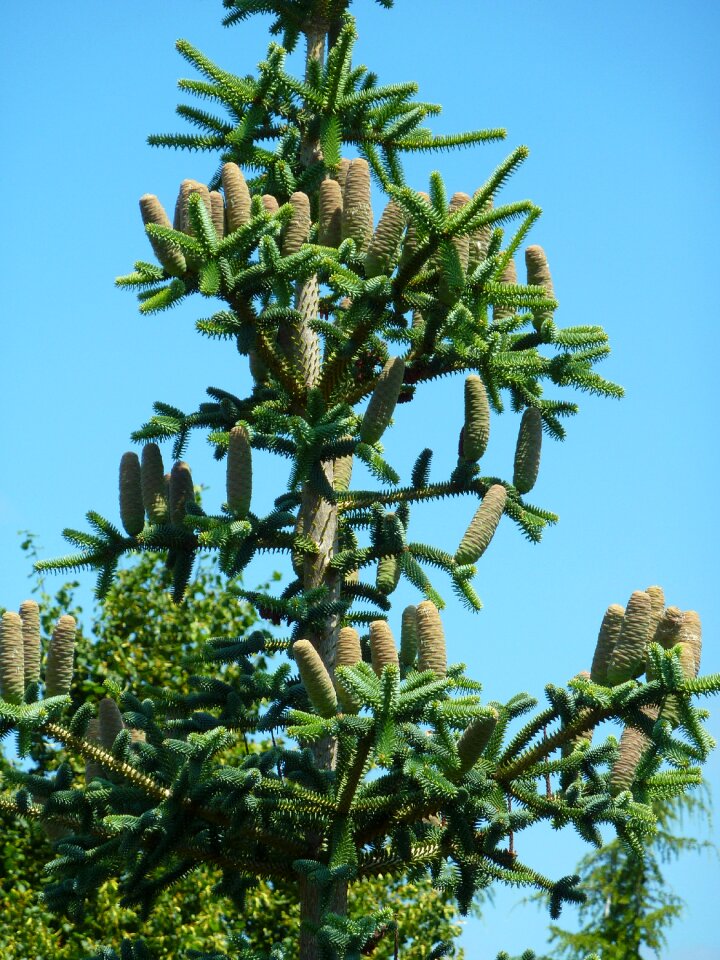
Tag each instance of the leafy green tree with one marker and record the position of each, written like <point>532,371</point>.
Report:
<point>629,907</point>
<point>377,759</point>
<point>138,624</point>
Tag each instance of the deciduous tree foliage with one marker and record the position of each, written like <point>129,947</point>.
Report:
<point>387,765</point>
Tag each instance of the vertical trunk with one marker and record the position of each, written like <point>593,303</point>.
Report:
<point>318,520</point>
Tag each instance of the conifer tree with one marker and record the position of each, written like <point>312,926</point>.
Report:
<point>391,763</point>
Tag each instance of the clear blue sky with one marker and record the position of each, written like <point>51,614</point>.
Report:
<point>618,103</point>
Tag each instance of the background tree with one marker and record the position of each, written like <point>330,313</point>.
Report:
<point>630,907</point>
<point>171,808</point>
<point>135,631</point>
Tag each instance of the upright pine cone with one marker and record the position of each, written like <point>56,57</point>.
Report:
<point>527,451</point>
<point>509,275</point>
<point>342,473</point>
<point>152,211</point>
<point>667,631</point>
<point>348,653</point>
<point>409,637</point>
<point>411,244</point>
<point>607,639</point>
<point>480,239</point>
<point>239,472</point>
<point>383,400</point>
<point>298,230</point>
<point>475,738</point>
<point>342,174</point>
<point>182,491</point>
<point>538,273</point>
<point>217,207</point>
<point>300,341</point>
<point>12,660</point>
<point>152,482</point>
<point>60,658</point>
<point>633,743</point>
<point>482,526</point>
<point>628,657</point>
<point>187,189</point>
<point>462,243</point>
<point>92,735</point>
<point>270,204</point>
<point>30,616</point>
<point>237,196</point>
<point>110,722</point>
<point>330,219</point>
<point>132,511</point>
<point>382,252</point>
<point>431,639</point>
<point>383,651</point>
<point>657,607</point>
<point>691,634</point>
<point>357,216</point>
<point>476,431</point>
<point>315,678</point>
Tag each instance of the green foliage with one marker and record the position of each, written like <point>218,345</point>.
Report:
<point>426,780</point>
<point>139,625</point>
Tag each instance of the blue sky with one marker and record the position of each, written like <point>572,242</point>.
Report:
<point>618,104</point>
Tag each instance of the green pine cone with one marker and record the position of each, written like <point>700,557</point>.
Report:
<point>110,722</point>
<point>475,738</point>
<point>152,483</point>
<point>383,651</point>
<point>60,658</point>
<point>152,211</point>
<point>509,275</point>
<point>476,430</point>
<point>382,252</point>
<point>330,219</point>
<point>388,574</point>
<point>527,451</point>
<point>132,511</point>
<point>482,526</point>
<point>237,196</point>
<point>383,400</point>
<point>239,472</point>
<point>315,678</point>
<point>30,616</point>
<point>607,640</point>
<point>349,652</point>
<point>217,213</point>
<point>297,231</point>
<point>12,659</point>
<point>409,637</point>
<point>627,659</point>
<point>431,639</point>
<point>182,491</point>
<point>357,216</point>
